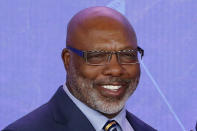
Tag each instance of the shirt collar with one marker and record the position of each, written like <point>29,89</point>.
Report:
<point>96,119</point>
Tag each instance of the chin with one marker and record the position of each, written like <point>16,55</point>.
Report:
<point>106,105</point>
<point>112,109</point>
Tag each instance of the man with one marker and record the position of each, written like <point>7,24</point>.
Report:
<point>102,64</point>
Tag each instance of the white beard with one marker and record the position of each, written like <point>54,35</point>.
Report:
<point>83,89</point>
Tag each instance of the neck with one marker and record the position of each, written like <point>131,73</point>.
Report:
<point>110,116</point>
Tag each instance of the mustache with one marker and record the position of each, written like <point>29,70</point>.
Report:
<point>110,80</point>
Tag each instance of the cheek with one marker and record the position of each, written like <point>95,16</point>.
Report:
<point>94,72</point>
<point>90,72</point>
<point>86,71</point>
<point>133,71</point>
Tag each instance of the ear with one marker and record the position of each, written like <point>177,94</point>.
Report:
<point>66,58</point>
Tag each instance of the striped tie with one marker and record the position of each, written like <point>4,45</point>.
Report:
<point>112,125</point>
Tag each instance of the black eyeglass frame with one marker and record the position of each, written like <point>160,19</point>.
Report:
<point>83,54</point>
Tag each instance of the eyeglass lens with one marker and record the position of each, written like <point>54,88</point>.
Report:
<point>101,58</point>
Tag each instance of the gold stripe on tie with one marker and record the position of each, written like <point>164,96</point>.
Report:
<point>109,125</point>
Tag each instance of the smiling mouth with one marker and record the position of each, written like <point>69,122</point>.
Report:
<point>112,87</point>
<point>112,90</point>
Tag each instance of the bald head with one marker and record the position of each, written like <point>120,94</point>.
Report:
<point>95,20</point>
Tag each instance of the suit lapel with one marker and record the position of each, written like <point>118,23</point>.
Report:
<point>137,124</point>
<point>65,112</point>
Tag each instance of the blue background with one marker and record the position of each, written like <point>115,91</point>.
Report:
<point>33,33</point>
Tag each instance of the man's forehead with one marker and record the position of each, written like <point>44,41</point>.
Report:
<point>112,46</point>
<point>103,39</point>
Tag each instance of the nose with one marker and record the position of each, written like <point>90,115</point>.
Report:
<point>113,68</point>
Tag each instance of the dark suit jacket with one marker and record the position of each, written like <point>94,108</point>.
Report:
<point>61,114</point>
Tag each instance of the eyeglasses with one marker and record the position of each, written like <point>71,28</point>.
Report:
<point>128,56</point>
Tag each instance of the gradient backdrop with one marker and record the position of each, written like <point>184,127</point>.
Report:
<point>33,33</point>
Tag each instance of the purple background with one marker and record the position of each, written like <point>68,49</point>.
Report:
<point>33,33</point>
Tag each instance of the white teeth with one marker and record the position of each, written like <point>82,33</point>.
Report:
<point>111,87</point>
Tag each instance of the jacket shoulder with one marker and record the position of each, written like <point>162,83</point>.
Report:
<point>36,120</point>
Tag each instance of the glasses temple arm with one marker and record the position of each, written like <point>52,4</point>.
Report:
<point>78,52</point>
<point>141,51</point>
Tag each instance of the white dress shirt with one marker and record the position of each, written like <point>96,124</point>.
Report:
<point>97,119</point>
